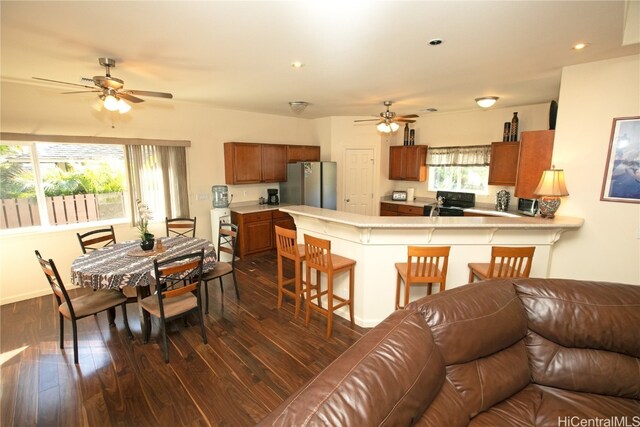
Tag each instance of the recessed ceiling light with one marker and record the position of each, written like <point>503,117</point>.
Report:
<point>435,42</point>
<point>430,110</point>
<point>580,46</point>
<point>297,64</point>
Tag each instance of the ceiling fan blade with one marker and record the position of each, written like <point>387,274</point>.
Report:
<point>367,120</point>
<point>408,116</point>
<point>148,93</point>
<point>64,83</point>
<point>131,98</point>
<point>80,91</point>
<point>404,120</point>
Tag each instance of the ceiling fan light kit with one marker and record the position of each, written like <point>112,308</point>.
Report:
<point>111,89</point>
<point>388,121</point>
<point>486,101</point>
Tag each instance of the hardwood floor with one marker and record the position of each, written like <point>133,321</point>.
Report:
<point>256,357</point>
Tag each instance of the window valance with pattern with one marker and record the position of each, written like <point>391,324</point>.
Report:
<point>469,155</point>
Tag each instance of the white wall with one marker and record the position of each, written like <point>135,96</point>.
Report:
<point>608,245</point>
<point>31,109</point>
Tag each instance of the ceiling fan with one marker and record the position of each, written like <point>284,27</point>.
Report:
<point>111,89</point>
<point>389,121</point>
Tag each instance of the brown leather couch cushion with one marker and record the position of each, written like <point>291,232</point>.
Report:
<point>582,327</point>
<point>387,378</point>
<point>474,321</point>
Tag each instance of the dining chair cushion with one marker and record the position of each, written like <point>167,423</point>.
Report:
<point>93,302</point>
<point>172,306</point>
<point>219,270</point>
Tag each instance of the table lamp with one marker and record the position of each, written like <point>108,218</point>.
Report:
<point>550,188</point>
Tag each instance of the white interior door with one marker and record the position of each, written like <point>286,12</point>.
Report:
<point>358,180</point>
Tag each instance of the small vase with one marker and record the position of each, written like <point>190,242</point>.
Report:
<point>506,133</point>
<point>514,127</point>
<point>148,242</point>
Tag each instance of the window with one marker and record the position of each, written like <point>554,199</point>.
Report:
<point>459,169</point>
<point>471,179</point>
<point>66,183</point>
<point>54,184</point>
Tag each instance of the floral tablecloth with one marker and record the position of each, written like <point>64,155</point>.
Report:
<point>113,267</point>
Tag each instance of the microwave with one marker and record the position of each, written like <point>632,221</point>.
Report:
<point>528,206</point>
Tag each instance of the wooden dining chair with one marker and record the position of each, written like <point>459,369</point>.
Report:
<point>319,258</point>
<point>185,227</point>
<point>101,237</point>
<point>227,243</point>
<point>425,265</point>
<point>88,304</point>
<point>288,248</point>
<point>178,281</point>
<point>505,262</point>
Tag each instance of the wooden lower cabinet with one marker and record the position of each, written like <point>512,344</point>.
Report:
<point>256,230</point>
<point>388,209</point>
<point>394,209</point>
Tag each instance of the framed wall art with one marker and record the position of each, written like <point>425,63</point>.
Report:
<point>621,181</point>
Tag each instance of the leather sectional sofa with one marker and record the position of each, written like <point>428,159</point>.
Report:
<point>526,352</point>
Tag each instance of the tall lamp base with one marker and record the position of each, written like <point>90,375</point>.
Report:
<point>549,206</point>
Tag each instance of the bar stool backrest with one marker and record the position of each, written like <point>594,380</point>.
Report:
<point>318,252</point>
<point>287,243</point>
<point>510,261</point>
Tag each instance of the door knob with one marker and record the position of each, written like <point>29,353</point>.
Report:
<point>347,200</point>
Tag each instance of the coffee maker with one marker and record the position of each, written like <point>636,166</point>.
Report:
<point>272,198</point>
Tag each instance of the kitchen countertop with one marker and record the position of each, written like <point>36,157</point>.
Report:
<point>450,222</point>
<point>479,208</point>
<point>246,208</point>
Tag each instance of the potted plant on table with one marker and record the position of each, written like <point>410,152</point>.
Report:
<point>147,239</point>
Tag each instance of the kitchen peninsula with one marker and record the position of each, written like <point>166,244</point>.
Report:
<point>376,243</point>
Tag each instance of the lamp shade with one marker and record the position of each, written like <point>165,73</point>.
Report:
<point>383,127</point>
<point>111,103</point>
<point>552,184</point>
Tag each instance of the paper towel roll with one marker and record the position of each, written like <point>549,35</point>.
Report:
<point>410,194</point>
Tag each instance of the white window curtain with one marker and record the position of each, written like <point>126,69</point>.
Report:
<point>158,177</point>
<point>470,155</point>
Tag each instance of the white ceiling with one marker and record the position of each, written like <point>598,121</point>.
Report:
<point>238,54</point>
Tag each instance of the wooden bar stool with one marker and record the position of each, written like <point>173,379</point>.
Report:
<point>288,247</point>
<point>425,265</point>
<point>505,262</point>
<point>320,258</point>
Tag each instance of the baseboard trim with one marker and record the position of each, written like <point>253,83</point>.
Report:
<point>25,296</point>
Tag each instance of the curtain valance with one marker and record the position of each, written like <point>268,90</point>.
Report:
<point>470,155</point>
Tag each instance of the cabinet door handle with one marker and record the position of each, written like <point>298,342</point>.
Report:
<point>347,200</point>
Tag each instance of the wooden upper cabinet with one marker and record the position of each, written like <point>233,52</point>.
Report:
<point>274,163</point>
<point>242,163</point>
<point>504,163</point>
<point>250,163</point>
<point>303,153</point>
<point>408,162</point>
<point>536,150</point>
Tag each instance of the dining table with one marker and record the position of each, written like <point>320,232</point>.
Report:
<point>126,265</point>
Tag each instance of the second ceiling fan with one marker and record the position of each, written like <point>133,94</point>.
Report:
<point>388,121</point>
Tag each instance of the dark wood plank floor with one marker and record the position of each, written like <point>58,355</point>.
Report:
<point>256,357</point>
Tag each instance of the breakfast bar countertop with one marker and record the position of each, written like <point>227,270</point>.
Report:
<point>452,222</point>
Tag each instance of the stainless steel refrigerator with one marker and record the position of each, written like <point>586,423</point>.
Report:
<point>311,184</point>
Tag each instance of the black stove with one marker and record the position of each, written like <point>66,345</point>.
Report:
<point>456,199</point>
<point>453,203</point>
